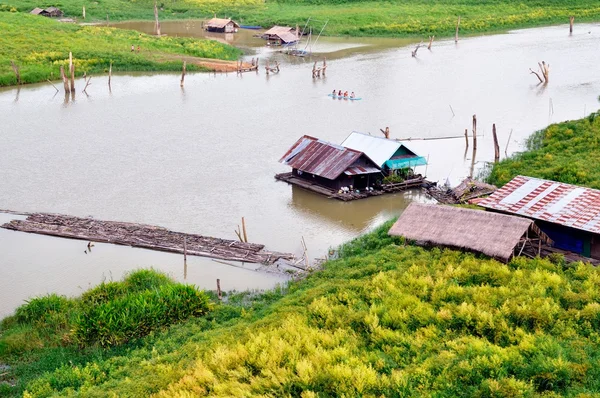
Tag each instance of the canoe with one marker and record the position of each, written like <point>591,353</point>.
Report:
<point>342,97</point>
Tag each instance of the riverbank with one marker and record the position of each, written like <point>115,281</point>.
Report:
<point>382,319</point>
<point>39,46</point>
<point>355,18</point>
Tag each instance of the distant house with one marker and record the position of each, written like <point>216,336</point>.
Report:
<point>48,12</point>
<point>568,214</point>
<point>330,165</point>
<point>496,235</point>
<point>281,35</point>
<point>222,25</point>
<point>388,155</point>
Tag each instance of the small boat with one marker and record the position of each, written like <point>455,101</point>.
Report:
<point>342,97</point>
<point>253,27</point>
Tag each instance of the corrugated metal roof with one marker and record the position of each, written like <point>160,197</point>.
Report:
<point>378,149</point>
<point>275,30</point>
<point>318,157</point>
<point>220,23</point>
<point>285,33</point>
<point>356,170</point>
<point>556,202</point>
<point>36,11</point>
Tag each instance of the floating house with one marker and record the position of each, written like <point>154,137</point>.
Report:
<point>222,25</point>
<point>329,165</point>
<point>496,235</point>
<point>48,12</point>
<point>568,214</point>
<point>281,36</point>
<point>388,155</point>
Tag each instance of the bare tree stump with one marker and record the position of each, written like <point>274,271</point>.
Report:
<point>543,73</point>
<point>496,146</point>
<point>474,132</point>
<point>72,72</point>
<point>386,132</point>
<point>456,33</point>
<point>571,20</point>
<point>109,76</point>
<point>87,83</point>
<point>15,69</point>
<point>466,138</point>
<point>324,66</point>
<point>219,289</point>
<point>64,79</point>
<point>414,53</point>
<point>182,74</point>
<point>430,41</point>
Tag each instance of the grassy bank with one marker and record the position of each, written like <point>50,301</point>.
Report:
<point>39,46</point>
<point>383,320</point>
<point>357,18</point>
<point>566,152</point>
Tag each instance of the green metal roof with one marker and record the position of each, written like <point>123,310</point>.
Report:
<point>395,164</point>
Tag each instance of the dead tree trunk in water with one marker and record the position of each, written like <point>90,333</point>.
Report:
<point>496,146</point>
<point>64,79</point>
<point>109,76</point>
<point>157,24</point>
<point>414,53</point>
<point>386,132</point>
<point>466,138</point>
<point>474,132</point>
<point>182,74</point>
<point>430,41</point>
<point>15,69</point>
<point>72,72</point>
<point>456,34</point>
<point>571,20</point>
<point>544,71</point>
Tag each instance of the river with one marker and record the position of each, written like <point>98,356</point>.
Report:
<point>197,159</point>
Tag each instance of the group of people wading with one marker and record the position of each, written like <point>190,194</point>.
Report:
<point>345,94</point>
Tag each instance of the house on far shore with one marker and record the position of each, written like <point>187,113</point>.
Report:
<point>281,36</point>
<point>388,155</point>
<point>568,214</point>
<point>499,236</point>
<point>330,165</point>
<point>222,25</point>
<point>48,12</point>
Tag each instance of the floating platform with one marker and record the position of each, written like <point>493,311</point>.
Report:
<point>144,236</point>
<point>353,195</point>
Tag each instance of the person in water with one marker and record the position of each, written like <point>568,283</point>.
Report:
<point>352,95</point>
<point>340,93</point>
<point>345,94</point>
<point>333,93</point>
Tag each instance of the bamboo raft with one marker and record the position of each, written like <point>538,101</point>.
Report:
<point>144,236</point>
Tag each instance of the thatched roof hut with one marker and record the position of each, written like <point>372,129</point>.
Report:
<point>222,25</point>
<point>495,235</point>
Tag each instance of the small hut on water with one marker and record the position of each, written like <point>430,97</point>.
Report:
<point>390,156</point>
<point>47,12</point>
<point>331,166</point>
<point>496,235</point>
<point>281,36</point>
<point>221,25</point>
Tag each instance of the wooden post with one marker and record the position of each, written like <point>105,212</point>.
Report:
<point>496,146</point>
<point>15,69</point>
<point>72,72</point>
<point>466,138</point>
<point>184,249</point>
<point>87,83</point>
<point>474,132</point>
<point>430,41</point>
<point>83,12</point>
<point>314,70</point>
<point>267,67</point>
<point>65,80</point>
<point>182,74</point>
<point>244,230</point>
<point>456,34</point>
<point>157,24</point>
<point>571,20</point>
<point>219,289</point>
<point>324,66</point>
<point>109,75</point>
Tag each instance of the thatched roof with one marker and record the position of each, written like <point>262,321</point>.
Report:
<point>492,234</point>
<point>220,23</point>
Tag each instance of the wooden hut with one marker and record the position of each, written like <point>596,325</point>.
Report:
<point>568,214</point>
<point>496,235</point>
<point>388,155</point>
<point>330,165</point>
<point>48,12</point>
<point>222,25</point>
<point>281,35</point>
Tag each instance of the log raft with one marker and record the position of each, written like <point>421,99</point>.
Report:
<point>144,236</point>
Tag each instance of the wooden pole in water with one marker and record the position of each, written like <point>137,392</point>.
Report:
<point>496,146</point>
<point>53,85</point>
<point>244,230</point>
<point>219,289</point>
<point>571,20</point>
<point>466,138</point>
<point>64,79</point>
<point>324,66</point>
<point>184,249</point>
<point>430,41</point>
<point>15,69</point>
<point>72,71</point>
<point>474,132</point>
<point>157,24</point>
<point>456,34</point>
<point>109,75</point>
<point>182,74</point>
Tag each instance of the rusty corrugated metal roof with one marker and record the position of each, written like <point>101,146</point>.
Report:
<point>565,204</point>
<point>321,158</point>
<point>356,170</point>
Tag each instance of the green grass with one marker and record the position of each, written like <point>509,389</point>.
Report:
<point>382,320</point>
<point>39,46</point>
<point>360,17</point>
<point>567,152</point>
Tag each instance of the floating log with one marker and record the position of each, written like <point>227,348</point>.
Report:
<point>144,236</point>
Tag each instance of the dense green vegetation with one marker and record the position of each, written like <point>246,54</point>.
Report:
<point>383,319</point>
<point>39,46</point>
<point>110,314</point>
<point>567,152</point>
<point>346,17</point>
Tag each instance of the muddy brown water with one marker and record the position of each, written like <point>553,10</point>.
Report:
<point>198,159</point>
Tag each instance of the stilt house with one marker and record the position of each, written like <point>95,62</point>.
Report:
<point>496,235</point>
<point>568,214</point>
<point>222,25</point>
<point>331,165</point>
<point>280,36</point>
<point>388,155</point>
